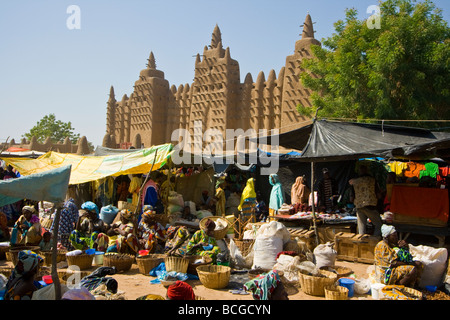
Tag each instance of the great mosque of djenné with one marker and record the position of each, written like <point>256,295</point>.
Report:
<point>217,98</point>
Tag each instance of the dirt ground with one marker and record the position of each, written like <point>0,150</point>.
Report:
<point>133,284</point>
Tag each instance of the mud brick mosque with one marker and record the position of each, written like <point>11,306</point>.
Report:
<point>217,97</point>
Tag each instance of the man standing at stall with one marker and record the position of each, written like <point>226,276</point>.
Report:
<point>366,198</point>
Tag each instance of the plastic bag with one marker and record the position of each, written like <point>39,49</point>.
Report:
<point>362,286</point>
<point>434,264</point>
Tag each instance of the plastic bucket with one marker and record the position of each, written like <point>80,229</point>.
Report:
<point>375,290</point>
<point>98,259</point>
<point>47,279</point>
<point>349,284</point>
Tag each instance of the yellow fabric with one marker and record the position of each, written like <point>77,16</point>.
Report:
<point>221,200</point>
<point>398,167</point>
<point>135,186</point>
<point>91,168</point>
<point>248,192</point>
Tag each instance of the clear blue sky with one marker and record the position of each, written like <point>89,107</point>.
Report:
<point>47,68</point>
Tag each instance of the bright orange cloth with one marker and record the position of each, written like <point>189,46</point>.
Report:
<point>413,169</point>
<point>428,203</point>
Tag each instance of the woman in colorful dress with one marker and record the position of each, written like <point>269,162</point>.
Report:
<point>123,234</point>
<point>21,284</point>
<point>267,286</point>
<point>90,230</point>
<point>393,262</point>
<point>177,240</point>
<point>67,222</point>
<point>203,242</point>
<point>27,229</point>
<point>152,235</point>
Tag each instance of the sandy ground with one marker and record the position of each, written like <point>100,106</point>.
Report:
<point>133,284</point>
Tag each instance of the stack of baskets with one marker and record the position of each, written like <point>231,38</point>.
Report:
<point>122,262</point>
<point>214,276</point>
<point>83,261</point>
<point>219,234</point>
<point>60,256</point>
<point>192,267</point>
<point>13,253</point>
<point>72,276</point>
<point>334,292</point>
<point>148,262</point>
<point>176,264</point>
<point>315,284</point>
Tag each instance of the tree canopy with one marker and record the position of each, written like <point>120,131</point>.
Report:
<point>57,130</point>
<point>400,70</point>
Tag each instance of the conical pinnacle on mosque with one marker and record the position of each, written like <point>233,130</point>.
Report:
<point>216,39</point>
<point>308,30</point>
<point>151,62</point>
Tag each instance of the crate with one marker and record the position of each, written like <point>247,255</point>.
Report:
<point>355,247</point>
<point>305,235</point>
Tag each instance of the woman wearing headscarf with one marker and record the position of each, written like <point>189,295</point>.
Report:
<point>203,242</point>
<point>27,229</point>
<point>90,230</point>
<point>4,230</point>
<point>134,188</point>
<point>21,284</point>
<point>177,240</point>
<point>393,263</point>
<point>276,194</point>
<point>248,194</point>
<point>67,222</point>
<point>299,193</point>
<point>151,233</point>
<point>220,198</point>
<point>180,290</point>
<point>267,286</point>
<point>123,234</point>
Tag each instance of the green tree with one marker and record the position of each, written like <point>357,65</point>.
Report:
<point>399,71</point>
<point>57,130</point>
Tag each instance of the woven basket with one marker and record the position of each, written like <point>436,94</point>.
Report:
<point>65,275</point>
<point>218,234</point>
<point>192,267</point>
<point>315,285</point>
<point>6,271</point>
<point>176,264</point>
<point>406,293</point>
<point>340,271</point>
<point>13,253</point>
<point>334,292</point>
<point>3,251</point>
<point>149,262</point>
<point>83,261</point>
<point>244,246</point>
<point>60,256</point>
<point>122,262</point>
<point>214,276</point>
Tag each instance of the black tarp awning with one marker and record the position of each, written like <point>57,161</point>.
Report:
<point>336,141</point>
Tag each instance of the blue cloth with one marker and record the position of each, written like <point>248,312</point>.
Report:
<point>49,186</point>
<point>276,195</point>
<point>89,205</point>
<point>161,274</point>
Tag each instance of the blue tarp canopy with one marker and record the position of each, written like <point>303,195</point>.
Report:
<point>44,186</point>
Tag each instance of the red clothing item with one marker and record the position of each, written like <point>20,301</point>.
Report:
<point>180,290</point>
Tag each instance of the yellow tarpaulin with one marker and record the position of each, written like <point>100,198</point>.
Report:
<point>90,168</point>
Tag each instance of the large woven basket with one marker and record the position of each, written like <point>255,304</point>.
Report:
<point>83,261</point>
<point>122,262</point>
<point>176,264</point>
<point>315,285</point>
<point>245,246</point>
<point>13,253</point>
<point>149,262</point>
<point>218,234</point>
<point>333,292</point>
<point>60,256</point>
<point>340,271</point>
<point>192,267</point>
<point>214,276</point>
